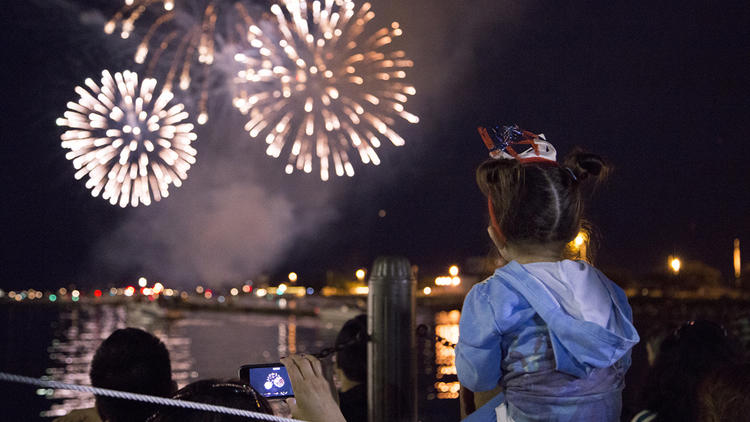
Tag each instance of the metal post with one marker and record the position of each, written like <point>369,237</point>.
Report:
<point>392,354</point>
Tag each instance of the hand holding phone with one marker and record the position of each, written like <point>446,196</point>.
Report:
<point>314,401</point>
<point>271,380</point>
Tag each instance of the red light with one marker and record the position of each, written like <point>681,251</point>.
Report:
<point>142,289</point>
<point>98,293</point>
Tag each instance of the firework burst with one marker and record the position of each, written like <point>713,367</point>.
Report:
<point>176,37</point>
<point>319,84</point>
<point>131,144</point>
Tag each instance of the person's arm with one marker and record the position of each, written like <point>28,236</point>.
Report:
<point>478,352</point>
<point>312,395</point>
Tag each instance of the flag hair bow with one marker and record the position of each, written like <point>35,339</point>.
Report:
<point>500,140</point>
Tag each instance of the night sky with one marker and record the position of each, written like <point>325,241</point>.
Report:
<point>661,90</point>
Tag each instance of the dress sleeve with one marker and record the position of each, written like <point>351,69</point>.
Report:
<point>478,352</point>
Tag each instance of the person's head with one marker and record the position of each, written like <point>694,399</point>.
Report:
<point>536,206</point>
<point>233,393</point>
<point>130,360</point>
<point>723,395</point>
<point>352,358</point>
<point>685,357</point>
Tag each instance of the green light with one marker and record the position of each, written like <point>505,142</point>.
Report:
<point>75,298</point>
<point>52,298</point>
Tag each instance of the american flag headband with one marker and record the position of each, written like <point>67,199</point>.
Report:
<point>500,140</point>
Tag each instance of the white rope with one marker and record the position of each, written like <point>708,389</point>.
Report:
<point>141,397</point>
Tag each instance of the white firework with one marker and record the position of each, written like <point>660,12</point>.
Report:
<point>320,85</point>
<point>129,143</point>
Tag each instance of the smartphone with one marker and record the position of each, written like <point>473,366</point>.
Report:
<point>269,379</point>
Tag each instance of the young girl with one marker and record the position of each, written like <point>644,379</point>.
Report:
<point>555,334</point>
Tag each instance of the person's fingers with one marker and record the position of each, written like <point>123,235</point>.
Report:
<point>315,364</point>
<point>305,366</point>
<point>292,369</point>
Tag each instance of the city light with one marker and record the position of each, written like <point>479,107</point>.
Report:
<point>360,274</point>
<point>281,289</point>
<point>361,290</point>
<point>292,277</point>
<point>158,288</point>
<point>142,282</point>
<point>453,270</point>
<point>674,264</point>
<point>447,281</point>
<point>427,290</point>
<point>578,241</point>
<point>247,288</point>
<point>737,263</point>
<point>234,291</point>
<point>261,292</point>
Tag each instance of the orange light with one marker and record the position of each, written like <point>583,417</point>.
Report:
<point>675,264</point>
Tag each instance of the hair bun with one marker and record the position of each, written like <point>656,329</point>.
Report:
<point>584,164</point>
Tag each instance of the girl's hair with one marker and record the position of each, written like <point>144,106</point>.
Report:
<point>539,203</point>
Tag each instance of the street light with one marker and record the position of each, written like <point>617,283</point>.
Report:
<point>675,264</point>
<point>293,277</point>
<point>453,270</point>
<point>360,274</point>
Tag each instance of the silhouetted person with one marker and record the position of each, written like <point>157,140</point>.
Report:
<point>236,394</point>
<point>351,368</point>
<point>131,360</point>
<point>686,356</point>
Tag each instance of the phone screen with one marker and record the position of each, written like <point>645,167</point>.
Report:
<point>270,380</point>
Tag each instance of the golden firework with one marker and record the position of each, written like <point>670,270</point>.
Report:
<point>319,84</point>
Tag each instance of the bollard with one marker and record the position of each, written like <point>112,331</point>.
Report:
<point>391,352</point>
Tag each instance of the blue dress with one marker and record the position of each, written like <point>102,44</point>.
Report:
<point>557,341</point>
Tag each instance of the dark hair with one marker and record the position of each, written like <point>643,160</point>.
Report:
<point>234,393</point>
<point>352,359</point>
<point>723,395</point>
<point>538,203</point>
<point>130,360</point>
<point>685,357</point>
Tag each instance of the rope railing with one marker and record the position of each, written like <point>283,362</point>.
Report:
<point>57,385</point>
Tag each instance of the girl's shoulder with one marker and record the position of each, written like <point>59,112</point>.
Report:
<point>497,293</point>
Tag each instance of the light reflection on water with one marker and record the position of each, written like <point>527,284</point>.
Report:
<point>446,326</point>
<point>201,344</point>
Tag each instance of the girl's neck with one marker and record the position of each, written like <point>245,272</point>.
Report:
<point>528,259</point>
<point>531,255</point>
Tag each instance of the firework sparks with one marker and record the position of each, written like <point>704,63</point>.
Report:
<point>184,42</point>
<point>131,144</point>
<point>321,84</point>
